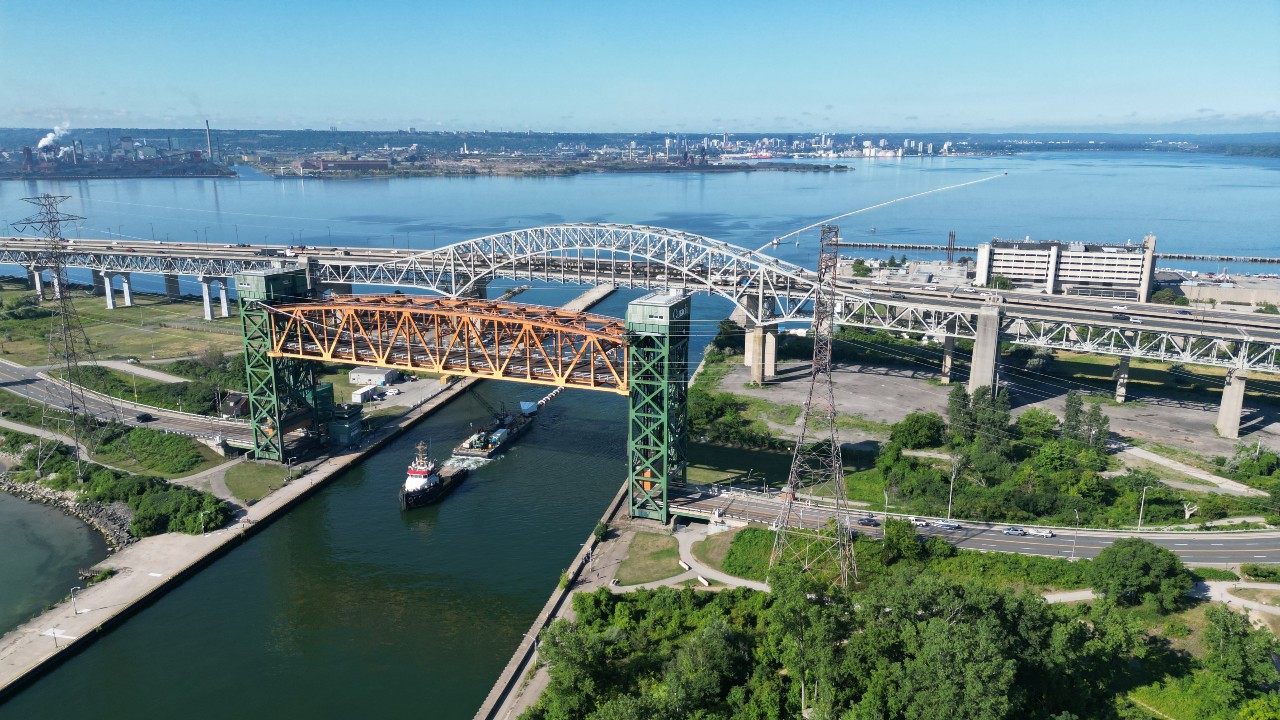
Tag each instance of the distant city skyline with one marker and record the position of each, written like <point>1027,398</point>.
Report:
<point>1000,66</point>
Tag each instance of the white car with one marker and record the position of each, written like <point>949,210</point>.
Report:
<point>930,287</point>
<point>1135,320</point>
<point>393,392</point>
<point>917,521</point>
<point>917,287</point>
<point>1040,532</point>
<point>1119,307</point>
<point>947,525</point>
<point>879,282</point>
<point>985,294</point>
<point>969,290</point>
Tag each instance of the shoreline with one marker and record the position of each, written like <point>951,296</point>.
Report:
<point>110,521</point>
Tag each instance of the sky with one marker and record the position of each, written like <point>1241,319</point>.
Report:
<point>745,66</point>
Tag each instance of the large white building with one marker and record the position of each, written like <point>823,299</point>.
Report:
<point>1119,271</point>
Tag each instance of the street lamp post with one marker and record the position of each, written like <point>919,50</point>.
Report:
<point>1075,536</point>
<point>1142,505</point>
<point>153,231</point>
<point>74,610</point>
<point>202,514</point>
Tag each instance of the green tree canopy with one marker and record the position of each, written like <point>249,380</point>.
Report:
<point>918,430</point>
<point>1133,570</point>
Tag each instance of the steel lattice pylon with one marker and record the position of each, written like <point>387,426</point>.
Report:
<point>817,460</point>
<point>67,339</point>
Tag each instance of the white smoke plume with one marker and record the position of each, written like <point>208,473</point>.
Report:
<point>58,131</point>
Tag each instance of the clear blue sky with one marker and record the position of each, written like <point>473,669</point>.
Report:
<point>995,65</point>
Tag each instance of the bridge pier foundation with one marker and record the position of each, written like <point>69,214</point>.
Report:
<point>102,284</point>
<point>204,293</point>
<point>1122,378</point>
<point>948,358</point>
<point>171,289</point>
<point>762,352</point>
<point>1228,424</point>
<point>222,297</point>
<point>986,349</point>
<point>35,280</point>
<point>126,287</point>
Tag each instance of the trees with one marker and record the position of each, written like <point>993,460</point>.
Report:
<point>1073,416</point>
<point>959,416</point>
<point>1133,570</point>
<point>918,430</point>
<point>1037,425</point>
<point>1164,296</point>
<point>1000,282</point>
<point>1097,428</point>
<point>900,541</point>
<point>1238,652</point>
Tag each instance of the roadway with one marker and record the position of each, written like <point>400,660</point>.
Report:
<point>28,383</point>
<point>1193,547</point>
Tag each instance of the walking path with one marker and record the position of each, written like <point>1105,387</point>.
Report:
<point>1225,486</point>
<point>1220,590</point>
<point>64,439</point>
<point>214,480</point>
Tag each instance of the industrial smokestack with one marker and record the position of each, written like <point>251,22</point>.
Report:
<point>208,141</point>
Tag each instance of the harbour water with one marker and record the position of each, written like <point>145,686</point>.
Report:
<point>44,550</point>
<point>346,604</point>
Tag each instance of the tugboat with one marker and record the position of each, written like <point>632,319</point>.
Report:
<point>502,430</point>
<point>426,482</point>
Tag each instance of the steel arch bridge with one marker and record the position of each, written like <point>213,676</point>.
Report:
<point>768,290</point>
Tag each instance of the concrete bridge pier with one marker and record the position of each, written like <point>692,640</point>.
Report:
<point>222,297</point>
<point>171,289</point>
<point>1232,403</point>
<point>762,352</point>
<point>204,293</point>
<point>57,287</point>
<point>478,290</point>
<point>948,358</point>
<point>126,288</point>
<point>102,285</point>
<point>1122,378</point>
<point>986,349</point>
<point>35,280</point>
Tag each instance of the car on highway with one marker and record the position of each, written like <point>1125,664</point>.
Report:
<point>985,294</point>
<point>143,417</point>
<point>1119,307</point>
<point>1040,532</point>
<point>879,282</point>
<point>917,287</point>
<point>1119,316</point>
<point>918,522</point>
<point>1135,320</point>
<point>1182,312</point>
<point>898,296</point>
<point>869,522</point>
<point>930,287</point>
<point>1014,531</point>
<point>970,290</point>
<point>947,525</point>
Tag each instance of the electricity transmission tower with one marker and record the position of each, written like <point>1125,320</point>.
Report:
<point>68,342</point>
<point>817,460</point>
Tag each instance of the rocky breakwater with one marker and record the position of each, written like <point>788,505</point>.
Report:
<point>111,520</point>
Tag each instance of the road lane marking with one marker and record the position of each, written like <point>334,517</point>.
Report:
<point>1180,544</point>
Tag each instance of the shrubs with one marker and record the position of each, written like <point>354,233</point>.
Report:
<point>155,450</point>
<point>918,430</point>
<point>1258,571</point>
<point>1133,570</point>
<point>749,553</point>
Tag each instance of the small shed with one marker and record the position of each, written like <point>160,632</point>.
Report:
<point>364,394</point>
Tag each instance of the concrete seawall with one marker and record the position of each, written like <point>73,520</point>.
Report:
<point>152,566</point>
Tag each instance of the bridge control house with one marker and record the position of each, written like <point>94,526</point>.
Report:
<point>1061,268</point>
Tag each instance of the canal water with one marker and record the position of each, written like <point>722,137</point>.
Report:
<point>345,605</point>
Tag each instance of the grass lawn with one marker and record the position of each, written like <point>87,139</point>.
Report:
<point>1266,597</point>
<point>211,459</point>
<point>711,551</point>
<point>252,481</point>
<point>1199,381</point>
<point>125,332</point>
<point>650,557</point>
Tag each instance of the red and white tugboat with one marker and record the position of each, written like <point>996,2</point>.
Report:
<point>426,482</point>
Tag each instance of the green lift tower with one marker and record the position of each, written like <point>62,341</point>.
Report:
<point>658,425</point>
<point>283,394</point>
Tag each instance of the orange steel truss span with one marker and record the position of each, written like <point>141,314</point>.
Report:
<point>457,336</point>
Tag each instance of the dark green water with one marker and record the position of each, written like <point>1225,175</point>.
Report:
<point>41,552</point>
<point>348,607</point>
